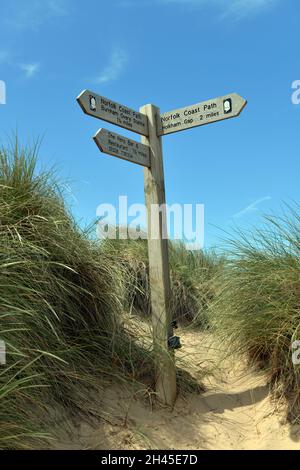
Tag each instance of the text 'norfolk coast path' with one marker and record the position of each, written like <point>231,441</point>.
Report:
<point>218,109</point>
<point>115,113</point>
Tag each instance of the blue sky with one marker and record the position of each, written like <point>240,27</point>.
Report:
<point>171,53</point>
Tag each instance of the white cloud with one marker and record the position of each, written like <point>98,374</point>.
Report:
<point>113,70</point>
<point>30,69</point>
<point>253,207</point>
<point>236,9</point>
<point>243,8</point>
<point>31,14</point>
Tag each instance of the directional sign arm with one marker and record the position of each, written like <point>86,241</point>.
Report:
<point>122,147</point>
<point>110,111</point>
<point>199,114</point>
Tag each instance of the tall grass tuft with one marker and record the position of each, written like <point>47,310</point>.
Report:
<point>258,304</point>
<point>60,311</point>
<point>192,276</point>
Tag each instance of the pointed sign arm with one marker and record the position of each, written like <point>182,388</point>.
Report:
<point>199,114</point>
<point>110,111</point>
<point>122,147</point>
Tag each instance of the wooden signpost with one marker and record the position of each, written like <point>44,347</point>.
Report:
<point>152,125</point>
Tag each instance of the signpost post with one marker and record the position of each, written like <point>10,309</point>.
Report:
<point>158,255</point>
<point>152,125</point>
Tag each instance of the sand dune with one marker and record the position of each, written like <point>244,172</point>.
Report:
<point>234,412</point>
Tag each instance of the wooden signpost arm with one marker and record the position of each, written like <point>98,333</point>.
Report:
<point>159,262</point>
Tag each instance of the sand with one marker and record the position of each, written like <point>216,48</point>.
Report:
<point>235,411</point>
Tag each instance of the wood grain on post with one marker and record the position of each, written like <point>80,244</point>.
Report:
<point>159,262</point>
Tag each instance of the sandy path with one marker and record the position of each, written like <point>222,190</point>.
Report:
<point>235,412</point>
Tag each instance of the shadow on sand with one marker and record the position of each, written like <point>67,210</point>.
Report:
<point>219,402</point>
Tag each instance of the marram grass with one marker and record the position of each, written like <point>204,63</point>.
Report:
<point>60,309</point>
<point>257,307</point>
<point>192,276</point>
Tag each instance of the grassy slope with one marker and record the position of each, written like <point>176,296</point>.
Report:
<point>60,312</point>
<point>192,278</point>
<point>257,310</point>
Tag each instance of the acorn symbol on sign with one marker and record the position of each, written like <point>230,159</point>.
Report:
<point>92,103</point>
<point>227,105</point>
